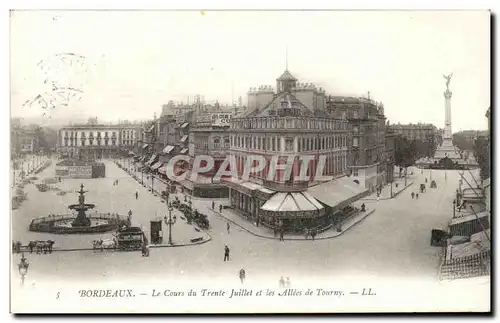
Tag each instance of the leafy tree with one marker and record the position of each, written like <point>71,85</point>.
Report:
<point>405,153</point>
<point>482,152</point>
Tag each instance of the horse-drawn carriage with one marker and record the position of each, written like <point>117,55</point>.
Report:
<point>130,238</point>
<point>125,239</point>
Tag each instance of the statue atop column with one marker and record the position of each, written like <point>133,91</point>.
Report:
<point>448,79</point>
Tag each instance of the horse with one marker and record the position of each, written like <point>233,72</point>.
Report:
<point>16,246</point>
<point>48,246</point>
<point>104,244</point>
<point>32,245</point>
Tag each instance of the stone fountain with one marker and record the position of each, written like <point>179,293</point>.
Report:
<point>81,219</point>
<point>82,223</point>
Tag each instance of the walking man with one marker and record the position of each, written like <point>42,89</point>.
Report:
<point>416,195</point>
<point>412,195</point>
<point>228,226</point>
<point>242,275</point>
<point>213,205</point>
<point>313,234</point>
<point>226,253</point>
<point>136,195</point>
<point>282,282</point>
<point>220,208</point>
<point>281,235</point>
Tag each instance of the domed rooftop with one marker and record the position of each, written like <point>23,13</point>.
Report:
<point>286,76</point>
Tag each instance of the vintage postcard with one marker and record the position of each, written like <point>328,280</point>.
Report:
<point>207,161</point>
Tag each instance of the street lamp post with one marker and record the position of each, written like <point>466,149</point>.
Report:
<point>152,183</point>
<point>454,208</point>
<point>142,176</point>
<point>23,268</point>
<point>170,221</point>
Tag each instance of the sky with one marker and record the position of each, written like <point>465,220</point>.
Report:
<point>135,61</point>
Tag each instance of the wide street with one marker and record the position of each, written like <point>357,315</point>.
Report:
<point>392,242</point>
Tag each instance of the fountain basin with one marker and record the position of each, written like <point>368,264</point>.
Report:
<point>61,224</point>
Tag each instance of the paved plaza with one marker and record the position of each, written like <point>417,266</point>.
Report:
<point>392,241</point>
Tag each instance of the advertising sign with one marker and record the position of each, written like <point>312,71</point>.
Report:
<point>221,119</point>
<point>80,171</point>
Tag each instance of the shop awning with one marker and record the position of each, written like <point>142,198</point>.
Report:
<point>167,149</point>
<point>152,159</point>
<point>184,125</point>
<point>184,138</point>
<point>338,193</point>
<point>184,150</point>
<point>145,146</point>
<point>469,217</point>
<point>157,165</point>
<point>291,202</point>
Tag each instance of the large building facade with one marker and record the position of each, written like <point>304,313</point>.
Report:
<point>283,127</point>
<point>94,141</point>
<point>369,164</point>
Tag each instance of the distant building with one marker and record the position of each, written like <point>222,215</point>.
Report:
<point>420,131</point>
<point>24,139</point>
<point>94,141</point>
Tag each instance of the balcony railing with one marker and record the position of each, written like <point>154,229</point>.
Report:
<point>291,186</point>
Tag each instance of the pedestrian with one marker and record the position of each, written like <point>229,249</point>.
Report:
<point>306,233</point>
<point>416,195</point>
<point>220,208</point>
<point>242,275</point>
<point>313,233</point>
<point>227,227</point>
<point>226,253</point>
<point>136,195</point>
<point>412,195</point>
<point>363,207</point>
<point>288,284</point>
<point>281,235</point>
<point>213,205</point>
<point>426,179</point>
<point>282,282</point>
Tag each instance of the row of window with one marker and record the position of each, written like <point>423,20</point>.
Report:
<point>91,134</point>
<point>334,165</point>
<point>91,142</point>
<point>273,143</point>
<point>289,122</point>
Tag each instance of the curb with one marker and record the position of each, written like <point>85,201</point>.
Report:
<point>150,246</point>
<point>291,239</point>
<point>388,198</point>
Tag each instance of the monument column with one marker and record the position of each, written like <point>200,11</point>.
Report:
<point>447,117</point>
<point>448,134</point>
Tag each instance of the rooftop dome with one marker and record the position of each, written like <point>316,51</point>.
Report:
<point>286,76</point>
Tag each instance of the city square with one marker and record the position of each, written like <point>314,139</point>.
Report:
<point>120,189</point>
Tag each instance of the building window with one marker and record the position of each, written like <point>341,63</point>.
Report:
<point>216,142</point>
<point>355,172</point>
<point>289,144</point>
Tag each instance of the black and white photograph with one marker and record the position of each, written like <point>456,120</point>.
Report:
<point>238,161</point>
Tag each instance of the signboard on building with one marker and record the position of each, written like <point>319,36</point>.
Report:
<point>221,119</point>
<point>80,171</point>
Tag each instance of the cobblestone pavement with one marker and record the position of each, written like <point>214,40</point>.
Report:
<point>392,242</point>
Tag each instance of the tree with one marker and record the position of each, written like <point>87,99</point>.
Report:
<point>405,153</point>
<point>482,152</point>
